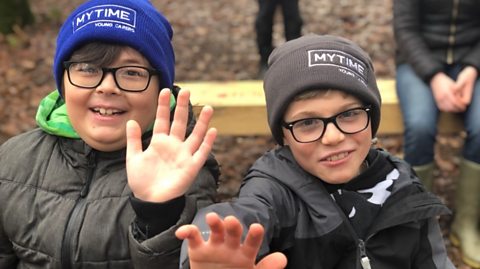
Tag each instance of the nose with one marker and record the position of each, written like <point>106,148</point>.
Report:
<point>332,135</point>
<point>108,85</point>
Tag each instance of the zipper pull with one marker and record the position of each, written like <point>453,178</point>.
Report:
<point>364,260</point>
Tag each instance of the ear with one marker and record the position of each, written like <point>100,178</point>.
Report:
<point>62,89</point>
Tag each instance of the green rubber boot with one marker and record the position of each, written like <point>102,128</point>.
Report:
<point>425,174</point>
<point>465,232</point>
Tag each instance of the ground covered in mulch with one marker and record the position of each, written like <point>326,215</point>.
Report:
<point>214,40</point>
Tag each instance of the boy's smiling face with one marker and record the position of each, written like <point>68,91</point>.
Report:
<point>336,157</point>
<point>100,115</point>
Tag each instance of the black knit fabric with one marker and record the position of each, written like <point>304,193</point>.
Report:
<point>362,198</point>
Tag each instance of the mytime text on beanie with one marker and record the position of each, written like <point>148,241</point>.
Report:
<point>318,62</point>
<point>133,23</point>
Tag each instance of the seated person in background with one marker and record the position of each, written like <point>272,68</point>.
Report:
<point>438,59</point>
<point>325,197</point>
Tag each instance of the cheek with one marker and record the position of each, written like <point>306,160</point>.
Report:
<point>75,101</point>
<point>364,144</point>
<point>304,154</point>
<point>364,140</point>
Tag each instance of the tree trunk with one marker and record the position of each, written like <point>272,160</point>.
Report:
<point>14,12</point>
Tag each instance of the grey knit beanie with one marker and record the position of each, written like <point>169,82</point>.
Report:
<point>317,62</point>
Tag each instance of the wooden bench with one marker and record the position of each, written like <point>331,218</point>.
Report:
<point>240,107</point>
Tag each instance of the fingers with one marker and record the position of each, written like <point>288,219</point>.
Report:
<point>217,228</point>
<point>198,134</point>
<point>466,99</point>
<point>463,90</point>
<point>180,119</point>
<point>452,102</point>
<point>201,136</point>
<point>275,260</point>
<point>191,233</point>
<point>227,231</point>
<point>225,236</point>
<point>230,230</point>
<point>449,101</point>
<point>134,141</point>
<point>201,155</point>
<point>456,104</point>
<point>254,239</point>
<point>233,230</point>
<point>162,118</point>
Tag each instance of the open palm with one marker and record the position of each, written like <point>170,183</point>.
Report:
<point>167,168</point>
<point>224,249</point>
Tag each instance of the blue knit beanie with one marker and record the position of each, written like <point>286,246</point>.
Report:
<point>133,23</point>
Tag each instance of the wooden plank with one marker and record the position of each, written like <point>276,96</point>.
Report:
<point>240,107</point>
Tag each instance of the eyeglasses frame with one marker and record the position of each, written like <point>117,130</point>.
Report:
<point>326,121</point>
<point>112,70</point>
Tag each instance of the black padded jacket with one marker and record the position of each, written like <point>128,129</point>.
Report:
<point>302,220</point>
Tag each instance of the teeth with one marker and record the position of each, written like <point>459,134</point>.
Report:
<point>337,157</point>
<point>106,111</point>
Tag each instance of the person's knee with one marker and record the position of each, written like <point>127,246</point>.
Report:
<point>421,126</point>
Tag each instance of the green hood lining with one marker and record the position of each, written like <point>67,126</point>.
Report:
<point>52,116</point>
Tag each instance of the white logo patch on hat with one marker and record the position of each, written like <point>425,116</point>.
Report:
<point>113,16</point>
<point>347,63</point>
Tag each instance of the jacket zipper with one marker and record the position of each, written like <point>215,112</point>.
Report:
<point>75,214</point>
<point>361,246</point>
<point>364,260</point>
<point>453,30</point>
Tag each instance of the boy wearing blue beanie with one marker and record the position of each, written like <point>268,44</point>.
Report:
<point>325,197</point>
<point>108,175</point>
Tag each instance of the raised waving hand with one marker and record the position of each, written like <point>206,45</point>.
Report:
<point>167,168</point>
<point>224,248</point>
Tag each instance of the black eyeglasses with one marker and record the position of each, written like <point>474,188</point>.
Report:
<point>127,78</point>
<point>350,121</point>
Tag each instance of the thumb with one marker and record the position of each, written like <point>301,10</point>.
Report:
<point>275,260</point>
<point>460,92</point>
<point>458,86</point>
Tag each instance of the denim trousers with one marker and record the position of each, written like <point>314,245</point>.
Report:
<point>420,116</point>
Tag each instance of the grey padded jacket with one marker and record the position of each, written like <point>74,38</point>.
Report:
<point>65,205</point>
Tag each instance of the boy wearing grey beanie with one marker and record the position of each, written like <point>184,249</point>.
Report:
<point>326,198</point>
